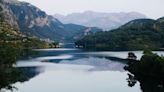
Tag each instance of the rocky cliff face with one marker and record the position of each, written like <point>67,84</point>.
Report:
<point>35,22</point>
<point>6,14</point>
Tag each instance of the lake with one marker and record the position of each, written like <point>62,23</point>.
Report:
<point>75,70</point>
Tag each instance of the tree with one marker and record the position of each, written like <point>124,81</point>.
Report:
<point>149,72</point>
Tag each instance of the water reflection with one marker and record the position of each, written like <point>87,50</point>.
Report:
<point>30,72</point>
<point>13,75</point>
<point>9,76</point>
<point>147,84</point>
<point>76,79</point>
<point>99,64</point>
<point>73,70</point>
<point>148,71</point>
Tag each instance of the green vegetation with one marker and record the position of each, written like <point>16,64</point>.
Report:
<point>150,65</point>
<point>34,43</point>
<point>136,35</point>
<point>149,71</point>
<point>13,44</point>
<point>10,76</point>
<point>54,45</point>
<point>13,75</point>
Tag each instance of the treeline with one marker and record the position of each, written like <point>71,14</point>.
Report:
<point>136,35</point>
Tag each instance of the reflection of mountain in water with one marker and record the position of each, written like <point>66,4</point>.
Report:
<point>99,64</point>
<point>98,60</point>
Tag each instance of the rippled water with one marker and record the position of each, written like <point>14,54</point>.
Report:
<point>73,70</point>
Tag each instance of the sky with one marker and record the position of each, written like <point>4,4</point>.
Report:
<point>151,8</point>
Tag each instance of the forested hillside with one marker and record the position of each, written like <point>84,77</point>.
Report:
<point>136,35</point>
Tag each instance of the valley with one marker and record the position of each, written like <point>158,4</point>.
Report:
<point>84,51</point>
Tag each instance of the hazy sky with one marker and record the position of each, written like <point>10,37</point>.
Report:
<point>151,8</point>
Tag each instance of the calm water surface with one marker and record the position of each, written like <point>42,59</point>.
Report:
<point>73,70</point>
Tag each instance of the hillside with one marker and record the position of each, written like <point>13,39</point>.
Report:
<point>10,34</point>
<point>34,22</point>
<point>7,15</point>
<point>105,21</point>
<point>74,32</point>
<point>136,35</point>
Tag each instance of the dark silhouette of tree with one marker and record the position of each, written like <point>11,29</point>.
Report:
<point>149,72</point>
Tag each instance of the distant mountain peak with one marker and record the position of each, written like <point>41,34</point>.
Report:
<point>32,21</point>
<point>102,20</point>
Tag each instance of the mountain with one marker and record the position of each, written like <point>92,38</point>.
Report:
<point>138,34</point>
<point>7,15</point>
<point>34,22</point>
<point>105,21</point>
<point>160,24</point>
<point>74,32</point>
<point>139,24</point>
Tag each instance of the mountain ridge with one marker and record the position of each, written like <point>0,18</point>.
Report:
<point>102,20</point>
<point>138,34</point>
<point>33,21</point>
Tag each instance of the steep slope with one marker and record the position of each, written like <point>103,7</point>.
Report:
<point>105,21</point>
<point>35,22</point>
<point>135,35</point>
<point>7,15</point>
